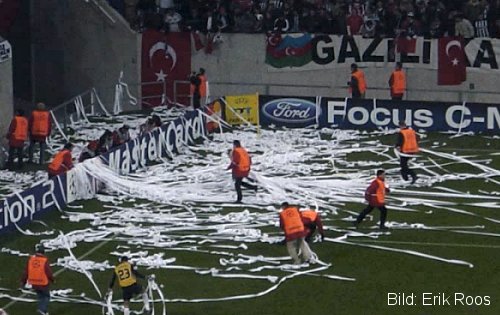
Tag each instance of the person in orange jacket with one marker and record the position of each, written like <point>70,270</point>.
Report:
<point>62,161</point>
<point>295,232</point>
<point>39,276</point>
<point>375,195</point>
<point>40,127</point>
<point>397,82</point>
<point>407,143</point>
<point>312,221</point>
<point>240,166</point>
<point>17,135</point>
<point>357,83</point>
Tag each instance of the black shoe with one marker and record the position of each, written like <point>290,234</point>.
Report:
<point>414,180</point>
<point>238,201</point>
<point>383,227</point>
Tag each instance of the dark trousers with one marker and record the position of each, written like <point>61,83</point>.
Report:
<point>15,151</point>
<point>405,169</point>
<point>32,147</point>
<point>196,100</point>
<point>368,209</point>
<point>238,182</point>
<point>43,300</point>
<point>397,97</point>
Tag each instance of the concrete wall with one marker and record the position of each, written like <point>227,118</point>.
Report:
<point>6,96</point>
<point>239,61</point>
<point>77,47</point>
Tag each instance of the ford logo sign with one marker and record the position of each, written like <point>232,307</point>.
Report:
<point>290,110</point>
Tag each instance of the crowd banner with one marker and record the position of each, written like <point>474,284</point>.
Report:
<point>243,106</point>
<point>429,116</point>
<point>22,207</point>
<point>305,52</point>
<point>293,112</point>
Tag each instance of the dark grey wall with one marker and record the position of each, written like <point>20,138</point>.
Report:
<point>77,47</point>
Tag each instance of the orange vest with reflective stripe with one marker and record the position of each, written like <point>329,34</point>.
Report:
<point>125,275</point>
<point>203,85</point>
<point>380,194</point>
<point>292,222</point>
<point>21,131</point>
<point>242,159</point>
<point>410,144</point>
<point>41,121</point>
<point>56,163</point>
<point>309,215</point>
<point>398,82</point>
<point>36,271</point>
<point>360,77</point>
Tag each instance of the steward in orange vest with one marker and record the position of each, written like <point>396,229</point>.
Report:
<point>357,84</point>
<point>240,166</point>
<point>312,220</point>
<point>62,161</point>
<point>17,135</point>
<point>40,127</point>
<point>397,82</point>
<point>375,195</point>
<point>203,85</point>
<point>39,275</point>
<point>407,143</point>
<point>291,224</point>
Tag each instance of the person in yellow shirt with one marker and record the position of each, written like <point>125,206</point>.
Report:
<point>127,275</point>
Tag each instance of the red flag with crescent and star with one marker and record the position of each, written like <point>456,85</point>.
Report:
<point>165,58</point>
<point>451,61</point>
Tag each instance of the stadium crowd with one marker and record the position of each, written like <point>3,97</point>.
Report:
<point>369,18</point>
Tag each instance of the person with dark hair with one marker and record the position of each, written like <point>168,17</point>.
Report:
<point>156,120</point>
<point>312,222</point>
<point>38,275</point>
<point>240,166</point>
<point>121,135</point>
<point>39,128</point>
<point>357,84</point>
<point>375,195</point>
<point>62,161</point>
<point>195,83</point>
<point>407,143</point>
<point>17,135</point>
<point>397,82</point>
<point>105,142</point>
<point>127,275</point>
<point>90,151</point>
<point>291,224</point>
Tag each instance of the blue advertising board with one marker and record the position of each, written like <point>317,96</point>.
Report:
<point>293,112</point>
<point>430,116</point>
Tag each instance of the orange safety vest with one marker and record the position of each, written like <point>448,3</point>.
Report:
<point>360,77</point>
<point>410,144</point>
<point>398,82</point>
<point>292,222</point>
<point>36,271</point>
<point>56,163</point>
<point>203,85</point>
<point>21,131</point>
<point>241,159</point>
<point>309,215</point>
<point>40,125</point>
<point>380,194</point>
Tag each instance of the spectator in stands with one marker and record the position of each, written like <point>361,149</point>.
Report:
<point>195,82</point>
<point>90,151</point>
<point>463,27</point>
<point>357,84</point>
<point>281,24</point>
<point>410,27</point>
<point>397,82</point>
<point>39,275</point>
<point>156,120</point>
<point>62,161</point>
<point>105,142</point>
<point>17,135</point>
<point>121,135</point>
<point>147,126</point>
<point>354,23</point>
<point>40,127</point>
<point>144,9</point>
<point>171,22</point>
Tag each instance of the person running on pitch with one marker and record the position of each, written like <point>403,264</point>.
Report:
<point>127,279</point>
<point>407,143</point>
<point>240,166</point>
<point>375,195</point>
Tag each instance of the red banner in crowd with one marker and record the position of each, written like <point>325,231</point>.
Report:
<point>165,59</point>
<point>451,61</point>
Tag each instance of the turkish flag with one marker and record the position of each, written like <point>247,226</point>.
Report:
<point>451,61</point>
<point>165,58</point>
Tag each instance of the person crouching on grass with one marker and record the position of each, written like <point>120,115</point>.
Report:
<point>127,280</point>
